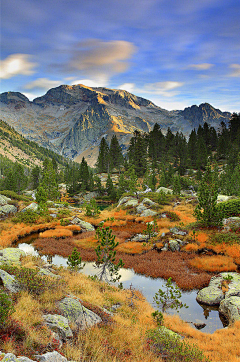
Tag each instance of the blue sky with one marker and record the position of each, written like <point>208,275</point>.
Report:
<point>174,52</point>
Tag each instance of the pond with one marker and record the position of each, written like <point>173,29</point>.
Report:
<point>148,286</point>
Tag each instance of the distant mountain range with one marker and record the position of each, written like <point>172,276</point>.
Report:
<point>71,120</point>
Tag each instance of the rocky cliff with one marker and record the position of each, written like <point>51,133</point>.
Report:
<point>71,120</point>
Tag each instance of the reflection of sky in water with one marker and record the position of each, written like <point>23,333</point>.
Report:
<point>149,286</point>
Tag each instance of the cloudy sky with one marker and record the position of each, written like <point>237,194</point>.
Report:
<point>174,52</point>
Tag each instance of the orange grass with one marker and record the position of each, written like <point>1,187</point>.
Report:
<point>191,247</point>
<point>132,247</point>
<point>221,346</point>
<point>56,233</point>
<point>216,263</point>
<point>229,250</point>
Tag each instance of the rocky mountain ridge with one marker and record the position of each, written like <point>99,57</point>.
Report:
<point>71,120</point>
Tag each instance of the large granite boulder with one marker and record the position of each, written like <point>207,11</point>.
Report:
<point>85,226</point>
<point>141,208</point>
<point>125,199</point>
<point>164,190</point>
<point>8,281</point>
<point>33,206</point>
<point>76,313</point>
<point>231,222</point>
<point>4,200</point>
<point>148,202</point>
<point>11,256</point>
<point>148,212</point>
<point>131,203</point>
<point>230,308</point>
<point>51,357</point>
<point>59,324</point>
<point>7,209</point>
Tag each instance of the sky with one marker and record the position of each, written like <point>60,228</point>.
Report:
<point>176,53</point>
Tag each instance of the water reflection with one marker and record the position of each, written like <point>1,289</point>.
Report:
<point>196,313</point>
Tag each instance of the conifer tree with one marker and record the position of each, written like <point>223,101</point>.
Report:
<point>115,154</point>
<point>84,175</point>
<point>102,164</point>
<point>137,153</point>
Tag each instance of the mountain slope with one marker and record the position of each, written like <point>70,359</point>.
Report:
<point>71,120</point>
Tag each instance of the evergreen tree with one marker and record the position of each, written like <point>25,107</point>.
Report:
<point>35,176</point>
<point>156,144</point>
<point>110,188</point>
<point>84,175</point>
<point>115,154</point>
<point>137,153</point>
<point>121,186</point>
<point>49,181</point>
<point>102,164</point>
<point>234,127</point>
<point>192,148</point>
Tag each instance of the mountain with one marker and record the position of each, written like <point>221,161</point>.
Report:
<point>14,147</point>
<point>71,120</point>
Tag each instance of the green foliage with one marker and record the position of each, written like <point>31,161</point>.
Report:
<point>227,238</point>
<point>151,229</point>
<point>229,208</point>
<point>102,163</point>
<point>91,208</point>
<point>106,254</point>
<point>206,211</point>
<point>6,308</point>
<point>74,261</point>
<point>41,196</point>
<point>228,278</point>
<point>30,280</point>
<point>13,195</point>
<point>63,213</point>
<point>172,216</point>
<point>27,217</point>
<point>173,347</point>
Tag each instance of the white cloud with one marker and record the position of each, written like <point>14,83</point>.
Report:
<point>42,83</point>
<point>16,64</point>
<point>99,82</point>
<point>97,57</point>
<point>236,71</point>
<point>163,88</point>
<point>130,87</point>
<point>203,66</point>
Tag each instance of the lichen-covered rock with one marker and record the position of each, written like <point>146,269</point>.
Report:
<point>7,209</point>
<point>168,332</point>
<point>141,208</point>
<point>165,190</point>
<point>213,294</point>
<point>230,308</point>
<point>59,324</point>
<point>24,359</point>
<point>222,198</point>
<point>48,273</point>
<point>177,231</point>
<point>75,312</point>
<point>231,222</point>
<point>4,200</point>
<point>11,256</point>
<point>140,238</point>
<point>131,203</point>
<point>148,202</point>
<point>148,212</point>
<point>174,245</point>
<point>9,357</point>
<point>9,281</point>
<point>33,206</point>
<point>85,226</point>
<point>125,199</point>
<point>51,357</point>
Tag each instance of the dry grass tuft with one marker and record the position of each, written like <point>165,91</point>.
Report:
<point>56,233</point>
<point>214,263</point>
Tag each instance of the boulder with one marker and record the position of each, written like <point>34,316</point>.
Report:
<point>148,202</point>
<point>7,209</point>
<point>51,357</point>
<point>8,281</point>
<point>48,273</point>
<point>131,203</point>
<point>59,324</point>
<point>230,308</point>
<point>75,312</point>
<point>125,199</point>
<point>148,212</point>
<point>9,357</point>
<point>231,222</point>
<point>90,195</point>
<point>213,294</point>
<point>165,190</point>
<point>174,245</point>
<point>33,206</point>
<point>4,200</point>
<point>141,208</point>
<point>140,238</point>
<point>176,231</point>
<point>11,255</point>
<point>222,198</point>
<point>85,226</point>
<point>24,359</point>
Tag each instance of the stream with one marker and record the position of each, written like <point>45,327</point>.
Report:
<point>148,286</point>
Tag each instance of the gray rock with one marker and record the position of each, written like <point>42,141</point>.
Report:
<point>230,308</point>
<point>75,312</point>
<point>11,255</point>
<point>176,231</point>
<point>131,203</point>
<point>33,206</point>
<point>7,209</point>
<point>230,222</point>
<point>9,281</point>
<point>9,357</point>
<point>165,190</point>
<point>168,332</point>
<point>148,202</point>
<point>86,226</point>
<point>148,212</point>
<point>51,357</point>
<point>48,273</point>
<point>141,208</point>
<point>125,199</point>
<point>140,238</point>
<point>165,248</point>
<point>174,245</point>
<point>222,198</point>
<point>4,200</point>
<point>59,324</point>
<point>24,359</point>
<point>90,195</point>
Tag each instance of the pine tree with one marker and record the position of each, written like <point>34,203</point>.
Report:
<point>35,176</point>
<point>110,188</point>
<point>156,144</point>
<point>84,175</point>
<point>49,181</point>
<point>102,164</point>
<point>137,153</point>
<point>115,154</point>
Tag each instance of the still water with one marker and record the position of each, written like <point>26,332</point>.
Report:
<point>149,286</point>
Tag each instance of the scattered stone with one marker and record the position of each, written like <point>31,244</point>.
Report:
<point>24,359</point>
<point>51,357</point>
<point>176,231</point>
<point>140,238</point>
<point>222,198</point>
<point>85,226</point>
<point>165,190</point>
<point>148,202</point>
<point>231,222</point>
<point>8,281</point>
<point>4,200</point>
<point>59,324</point>
<point>48,273</point>
<point>76,313</point>
<point>33,206</point>
<point>131,203</point>
<point>148,212</point>
<point>124,200</point>
<point>9,357</point>
<point>141,208</point>
<point>230,308</point>
<point>199,325</point>
<point>7,209</point>
<point>174,245</point>
<point>11,255</point>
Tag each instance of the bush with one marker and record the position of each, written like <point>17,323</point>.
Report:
<point>172,216</point>
<point>27,217</point>
<point>173,347</point>
<point>63,213</point>
<point>229,208</point>
<point>6,308</point>
<point>227,238</point>
<point>13,195</point>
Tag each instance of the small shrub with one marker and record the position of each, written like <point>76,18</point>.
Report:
<point>13,195</point>
<point>6,308</point>
<point>172,216</point>
<point>27,217</point>
<point>228,238</point>
<point>74,261</point>
<point>229,208</point>
<point>63,213</point>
